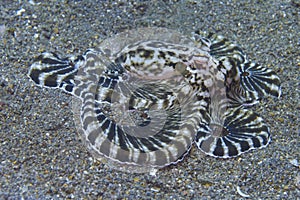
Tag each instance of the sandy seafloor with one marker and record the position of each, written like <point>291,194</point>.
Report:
<point>40,154</point>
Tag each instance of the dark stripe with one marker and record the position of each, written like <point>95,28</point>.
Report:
<point>134,141</point>
<point>232,149</point>
<point>101,80</point>
<point>148,144</point>
<point>110,135</point>
<point>106,83</point>
<point>51,81</point>
<point>217,45</point>
<point>113,83</point>
<point>52,61</point>
<point>100,117</point>
<point>254,84</point>
<point>69,88</point>
<point>160,136</point>
<point>34,75</point>
<point>218,151</point>
<point>156,142</point>
<point>256,142</point>
<point>93,136</point>
<point>202,132</point>
<point>105,125</point>
<point>122,138</point>
<point>121,59</point>
<point>225,51</point>
<point>244,144</point>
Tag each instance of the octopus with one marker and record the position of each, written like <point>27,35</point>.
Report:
<point>143,98</point>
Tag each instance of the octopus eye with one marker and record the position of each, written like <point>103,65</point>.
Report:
<point>245,74</point>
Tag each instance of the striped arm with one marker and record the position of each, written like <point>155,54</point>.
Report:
<point>49,70</point>
<point>241,131</point>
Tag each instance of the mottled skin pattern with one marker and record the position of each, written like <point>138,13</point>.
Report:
<point>146,102</point>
